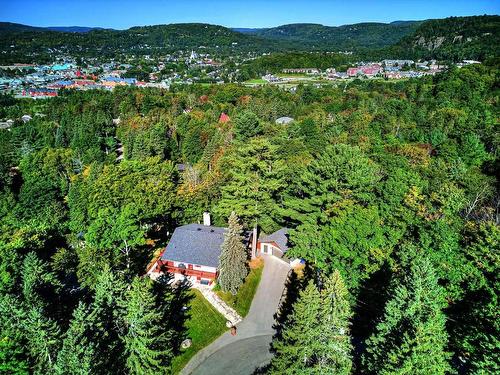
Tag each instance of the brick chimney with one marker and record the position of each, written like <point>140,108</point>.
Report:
<point>254,242</point>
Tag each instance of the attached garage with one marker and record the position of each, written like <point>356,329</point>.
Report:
<point>275,244</point>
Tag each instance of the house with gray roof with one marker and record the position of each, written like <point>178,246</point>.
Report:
<point>193,252</point>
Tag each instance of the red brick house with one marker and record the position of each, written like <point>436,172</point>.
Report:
<point>193,253</point>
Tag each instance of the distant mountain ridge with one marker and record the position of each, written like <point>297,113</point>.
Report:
<point>475,37</point>
<point>74,29</point>
<point>10,27</point>
<point>17,27</point>
<point>360,35</point>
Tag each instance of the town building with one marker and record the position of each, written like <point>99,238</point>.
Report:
<point>311,71</point>
<point>271,78</point>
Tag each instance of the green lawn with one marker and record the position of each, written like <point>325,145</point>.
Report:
<point>204,326</point>
<point>243,299</point>
<point>257,81</point>
<point>292,75</point>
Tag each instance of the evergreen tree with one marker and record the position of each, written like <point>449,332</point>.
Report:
<point>233,258</point>
<point>42,338</point>
<point>298,343</point>
<point>11,359</point>
<point>12,316</point>
<point>13,351</point>
<point>146,341</point>
<point>108,315</point>
<point>474,325</point>
<point>255,178</point>
<point>315,338</point>
<point>411,338</point>
<point>335,356</point>
<point>247,125</point>
<point>77,353</point>
<point>170,301</point>
<point>36,277</point>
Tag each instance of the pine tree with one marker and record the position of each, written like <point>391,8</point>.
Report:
<point>298,343</point>
<point>335,355</point>
<point>11,358</point>
<point>315,338</point>
<point>146,341</point>
<point>13,314</point>
<point>24,335</point>
<point>411,338</point>
<point>77,353</point>
<point>108,312</point>
<point>42,338</point>
<point>36,276</point>
<point>233,258</point>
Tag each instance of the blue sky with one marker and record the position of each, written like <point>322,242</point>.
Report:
<point>122,14</point>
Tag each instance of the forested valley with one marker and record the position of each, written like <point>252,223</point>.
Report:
<point>390,189</point>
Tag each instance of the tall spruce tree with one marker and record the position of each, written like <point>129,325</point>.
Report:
<point>335,354</point>
<point>77,355</point>
<point>36,277</point>
<point>315,338</point>
<point>147,340</point>
<point>411,338</point>
<point>108,313</point>
<point>233,258</point>
<point>43,339</point>
<point>298,343</point>
<point>12,361</point>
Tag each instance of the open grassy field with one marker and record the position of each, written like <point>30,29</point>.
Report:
<point>243,299</point>
<point>292,75</point>
<point>257,81</point>
<point>204,326</point>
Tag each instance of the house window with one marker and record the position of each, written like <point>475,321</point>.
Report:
<point>205,282</point>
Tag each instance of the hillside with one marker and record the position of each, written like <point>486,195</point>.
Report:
<point>140,40</point>
<point>10,27</point>
<point>453,38</point>
<point>361,35</point>
<point>73,29</point>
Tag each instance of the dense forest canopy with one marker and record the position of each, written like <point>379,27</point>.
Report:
<point>390,186</point>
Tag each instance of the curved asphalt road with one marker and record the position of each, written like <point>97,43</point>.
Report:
<point>249,349</point>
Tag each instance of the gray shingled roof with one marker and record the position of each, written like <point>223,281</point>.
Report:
<point>280,237</point>
<point>196,244</point>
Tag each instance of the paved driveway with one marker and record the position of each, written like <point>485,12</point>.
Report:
<point>249,349</point>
